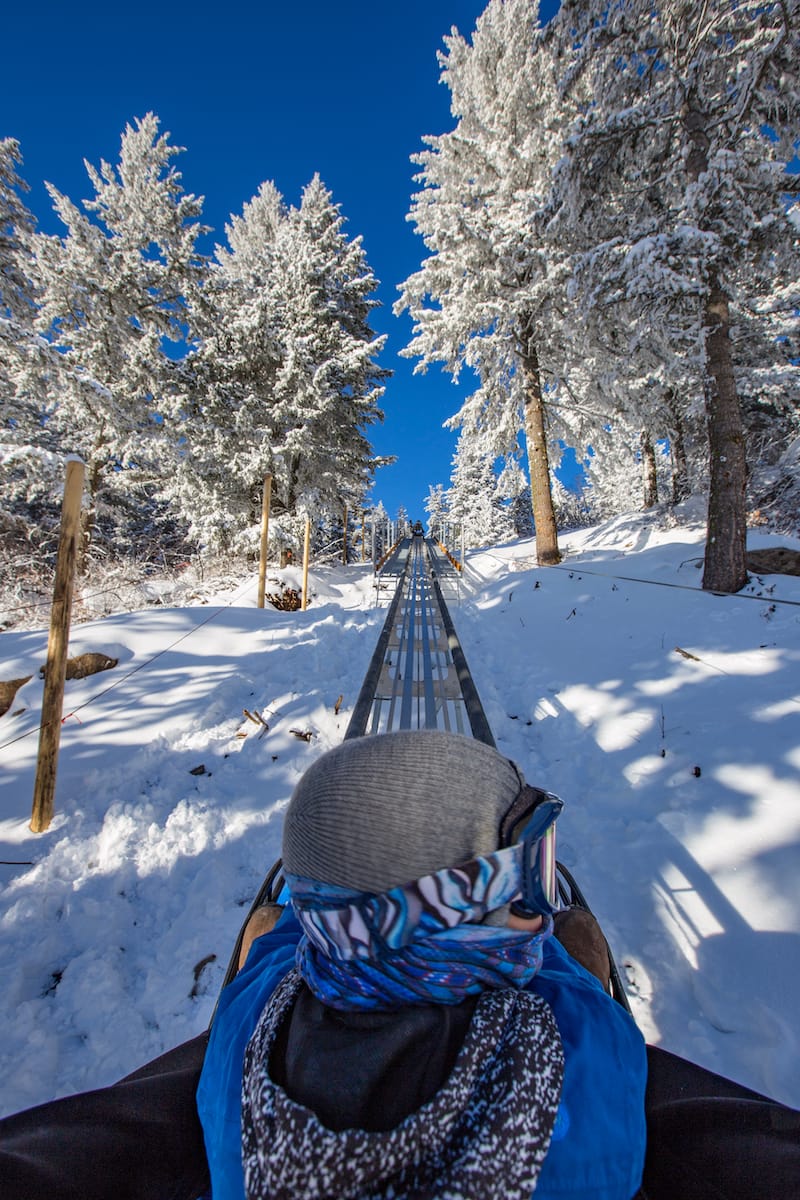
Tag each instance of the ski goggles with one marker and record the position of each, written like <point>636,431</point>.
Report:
<point>531,823</point>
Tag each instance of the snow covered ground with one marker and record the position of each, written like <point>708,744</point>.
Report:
<point>667,719</point>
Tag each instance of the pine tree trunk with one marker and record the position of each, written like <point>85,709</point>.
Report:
<point>680,467</point>
<point>544,519</point>
<point>88,518</point>
<point>725,567</point>
<point>649,473</point>
<point>291,485</point>
<point>255,496</point>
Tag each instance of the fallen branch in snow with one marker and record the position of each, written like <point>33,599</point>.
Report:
<point>289,600</point>
<point>257,719</point>
<point>8,691</point>
<point>84,665</point>
<point>694,658</point>
<point>198,971</point>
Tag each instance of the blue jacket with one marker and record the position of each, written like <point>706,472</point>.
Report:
<point>597,1151</point>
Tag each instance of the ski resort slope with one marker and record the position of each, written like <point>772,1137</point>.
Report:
<point>666,718</point>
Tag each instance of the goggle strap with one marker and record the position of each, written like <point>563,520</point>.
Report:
<point>527,799</point>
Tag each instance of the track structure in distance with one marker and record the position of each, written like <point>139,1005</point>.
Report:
<point>418,677</point>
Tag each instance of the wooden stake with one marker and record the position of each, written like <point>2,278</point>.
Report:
<point>306,554</point>
<point>262,564</point>
<point>57,646</point>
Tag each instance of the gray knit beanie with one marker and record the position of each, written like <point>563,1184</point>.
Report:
<point>380,811</point>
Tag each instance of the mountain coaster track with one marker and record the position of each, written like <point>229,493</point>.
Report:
<point>418,677</point>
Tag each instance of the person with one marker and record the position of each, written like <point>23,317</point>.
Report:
<point>529,1073</point>
<point>409,1025</point>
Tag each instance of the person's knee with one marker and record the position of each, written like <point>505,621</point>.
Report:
<point>262,921</point>
<point>582,938</point>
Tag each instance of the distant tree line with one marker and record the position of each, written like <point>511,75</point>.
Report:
<point>180,379</point>
<point>612,240</point>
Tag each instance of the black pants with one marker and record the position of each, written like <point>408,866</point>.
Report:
<point>140,1139</point>
<point>708,1138</point>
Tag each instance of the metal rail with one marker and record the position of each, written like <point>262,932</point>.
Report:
<point>418,677</point>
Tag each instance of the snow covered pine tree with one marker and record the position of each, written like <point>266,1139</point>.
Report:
<point>284,379</point>
<point>490,295</point>
<point>111,289</point>
<point>675,182</point>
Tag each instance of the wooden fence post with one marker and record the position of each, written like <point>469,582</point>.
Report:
<point>306,554</point>
<point>262,563</point>
<point>53,698</point>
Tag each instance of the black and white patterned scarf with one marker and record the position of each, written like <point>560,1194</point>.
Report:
<point>483,1136</point>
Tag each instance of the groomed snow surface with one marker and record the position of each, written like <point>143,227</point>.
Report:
<point>668,720</point>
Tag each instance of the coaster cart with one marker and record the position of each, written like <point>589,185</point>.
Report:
<point>140,1139</point>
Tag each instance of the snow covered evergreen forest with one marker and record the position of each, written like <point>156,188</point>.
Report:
<point>613,251</point>
<point>180,380</point>
<point>611,248</point>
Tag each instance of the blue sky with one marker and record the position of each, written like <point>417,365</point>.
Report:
<point>259,91</point>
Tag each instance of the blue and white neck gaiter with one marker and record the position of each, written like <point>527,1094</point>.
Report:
<point>418,943</point>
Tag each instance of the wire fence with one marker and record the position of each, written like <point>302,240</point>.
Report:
<point>120,679</point>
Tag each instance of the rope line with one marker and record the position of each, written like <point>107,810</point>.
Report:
<point>682,587</point>
<point>147,662</point>
<point>79,599</point>
<point>111,587</point>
